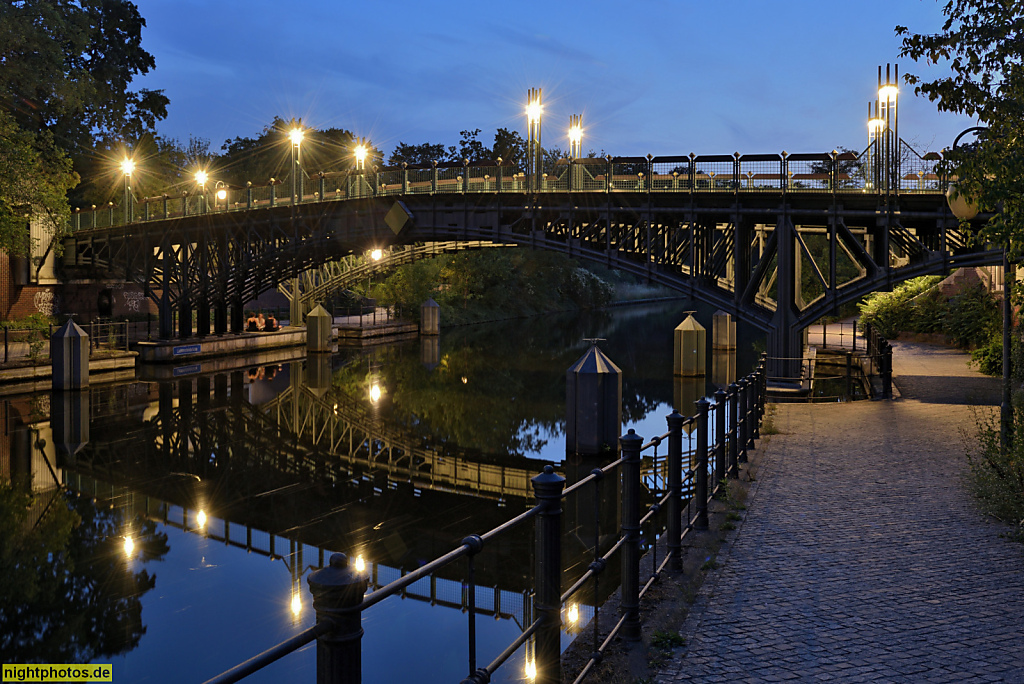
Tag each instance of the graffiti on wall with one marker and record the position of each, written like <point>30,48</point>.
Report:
<point>46,302</point>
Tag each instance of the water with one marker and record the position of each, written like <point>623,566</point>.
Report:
<point>442,448</point>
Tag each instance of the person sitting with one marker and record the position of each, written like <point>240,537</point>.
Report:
<point>261,323</point>
<point>271,324</point>
<point>252,324</point>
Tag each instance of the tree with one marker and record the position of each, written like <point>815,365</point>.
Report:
<point>35,176</point>
<point>510,146</point>
<point>983,43</point>
<point>424,153</point>
<point>66,66</point>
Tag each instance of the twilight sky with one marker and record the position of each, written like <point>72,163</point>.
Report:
<point>648,76</point>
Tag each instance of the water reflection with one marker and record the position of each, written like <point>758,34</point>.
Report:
<point>391,456</point>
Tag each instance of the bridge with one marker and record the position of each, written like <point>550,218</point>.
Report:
<point>778,240</point>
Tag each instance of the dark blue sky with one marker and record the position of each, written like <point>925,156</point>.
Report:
<point>650,76</point>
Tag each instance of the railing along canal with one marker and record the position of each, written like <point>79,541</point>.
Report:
<point>725,430</point>
<point>827,172</point>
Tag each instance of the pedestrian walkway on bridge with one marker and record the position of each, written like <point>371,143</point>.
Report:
<point>862,557</point>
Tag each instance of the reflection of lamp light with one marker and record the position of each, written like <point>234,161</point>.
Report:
<point>360,563</point>
<point>531,670</point>
<point>572,614</point>
<point>129,546</point>
<point>296,604</point>
<point>375,393</point>
<point>201,518</point>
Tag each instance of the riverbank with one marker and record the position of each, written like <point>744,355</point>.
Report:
<point>850,560</point>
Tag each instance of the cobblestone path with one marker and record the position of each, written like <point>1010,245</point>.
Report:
<point>861,557</point>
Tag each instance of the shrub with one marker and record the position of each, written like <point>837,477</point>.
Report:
<point>996,475</point>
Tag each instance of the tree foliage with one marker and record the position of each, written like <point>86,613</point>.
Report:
<point>35,176</point>
<point>67,65</point>
<point>982,41</point>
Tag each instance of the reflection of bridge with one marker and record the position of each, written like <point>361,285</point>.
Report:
<point>779,240</point>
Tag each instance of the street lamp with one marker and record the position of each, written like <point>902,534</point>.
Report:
<point>360,155</point>
<point>575,136</point>
<point>888,96</point>
<point>965,209</point>
<point>534,112</point>
<point>295,136</point>
<point>201,178</point>
<point>222,194</point>
<point>127,167</point>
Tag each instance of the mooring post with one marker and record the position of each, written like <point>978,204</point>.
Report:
<point>734,424</point>
<point>629,605</point>
<point>675,489</point>
<point>720,466</point>
<point>742,418</point>
<point>337,590</point>
<point>547,488</point>
<point>700,489</point>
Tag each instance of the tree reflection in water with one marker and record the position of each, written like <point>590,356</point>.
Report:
<point>68,593</point>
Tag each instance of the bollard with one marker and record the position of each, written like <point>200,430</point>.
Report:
<point>741,418</point>
<point>720,435</point>
<point>675,489</point>
<point>547,488</point>
<point>629,606</point>
<point>700,488</point>
<point>337,590</point>
<point>734,423</point>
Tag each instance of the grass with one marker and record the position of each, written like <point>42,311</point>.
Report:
<point>667,640</point>
<point>768,426</point>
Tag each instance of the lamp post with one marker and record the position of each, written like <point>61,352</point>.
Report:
<point>295,136</point>
<point>888,97</point>
<point>201,178</point>
<point>359,154</point>
<point>222,194</point>
<point>534,110</point>
<point>127,167</point>
<point>964,209</point>
<point>876,125</point>
<point>575,136</point>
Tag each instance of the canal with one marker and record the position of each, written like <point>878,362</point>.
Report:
<point>175,521</point>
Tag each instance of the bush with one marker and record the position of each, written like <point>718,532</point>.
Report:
<point>996,475</point>
<point>891,313</point>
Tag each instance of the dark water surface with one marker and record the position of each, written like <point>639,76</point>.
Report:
<point>233,486</point>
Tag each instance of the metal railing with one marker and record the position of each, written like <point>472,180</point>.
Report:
<point>828,172</point>
<point>722,434</point>
<point>34,344</point>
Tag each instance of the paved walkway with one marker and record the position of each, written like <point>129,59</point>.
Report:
<point>861,558</point>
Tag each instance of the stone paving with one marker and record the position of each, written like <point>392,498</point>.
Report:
<point>861,557</point>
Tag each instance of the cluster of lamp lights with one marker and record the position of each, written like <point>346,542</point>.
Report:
<point>129,540</point>
<point>534,113</point>
<point>296,602</point>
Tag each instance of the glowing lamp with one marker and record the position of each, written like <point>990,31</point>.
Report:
<point>129,546</point>
<point>533,111</point>
<point>576,134</point>
<point>531,670</point>
<point>376,255</point>
<point>127,166</point>
<point>296,604</point>
<point>360,564</point>
<point>201,518</point>
<point>295,135</point>
<point>202,177</point>
<point>876,124</point>
<point>222,194</point>
<point>572,614</point>
<point>375,393</point>
<point>888,92</point>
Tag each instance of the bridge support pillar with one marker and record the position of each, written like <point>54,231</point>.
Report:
<point>220,317</point>
<point>203,318</point>
<point>237,316</point>
<point>185,319</point>
<point>295,305</point>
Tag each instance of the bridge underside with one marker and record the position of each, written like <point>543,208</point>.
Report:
<point>777,260</point>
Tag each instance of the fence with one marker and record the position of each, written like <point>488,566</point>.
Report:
<point>829,172</point>
<point>724,431</point>
<point>34,343</point>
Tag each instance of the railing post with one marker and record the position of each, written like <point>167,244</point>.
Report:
<point>855,335</point>
<point>273,193</point>
<point>405,178</point>
<point>720,467</point>
<point>629,604</point>
<point>763,390</point>
<point>734,424</point>
<point>336,590</point>
<point>849,373</point>
<point>741,418</point>
<point>547,488</point>
<point>321,185</point>
<point>753,392</point>
<point>433,178</point>
<point>700,489</point>
<point>675,489</point>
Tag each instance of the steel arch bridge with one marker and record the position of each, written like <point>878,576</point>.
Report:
<point>767,238</point>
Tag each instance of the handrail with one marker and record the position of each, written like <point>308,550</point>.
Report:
<point>828,173</point>
<point>743,405</point>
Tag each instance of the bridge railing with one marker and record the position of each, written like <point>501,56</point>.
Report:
<point>721,433</point>
<point>830,172</point>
